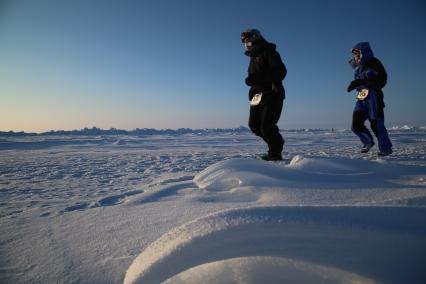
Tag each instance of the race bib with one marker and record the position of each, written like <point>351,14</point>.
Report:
<point>362,94</point>
<point>256,99</point>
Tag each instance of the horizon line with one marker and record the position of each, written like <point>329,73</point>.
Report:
<point>113,130</point>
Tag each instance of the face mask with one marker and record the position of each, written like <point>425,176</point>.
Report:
<point>356,56</point>
<point>248,45</point>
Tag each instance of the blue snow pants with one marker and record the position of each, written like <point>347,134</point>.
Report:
<point>370,109</point>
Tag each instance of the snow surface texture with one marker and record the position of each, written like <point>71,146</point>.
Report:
<point>344,239</point>
<point>185,207</point>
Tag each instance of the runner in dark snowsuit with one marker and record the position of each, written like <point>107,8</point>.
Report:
<point>369,75</point>
<point>266,72</point>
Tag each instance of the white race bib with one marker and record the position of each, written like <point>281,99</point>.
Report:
<point>256,99</point>
<point>362,94</point>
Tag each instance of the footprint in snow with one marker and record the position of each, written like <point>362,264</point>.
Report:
<point>103,202</point>
<point>116,199</point>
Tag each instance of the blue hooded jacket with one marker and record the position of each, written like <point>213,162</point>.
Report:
<point>366,51</point>
<point>369,68</point>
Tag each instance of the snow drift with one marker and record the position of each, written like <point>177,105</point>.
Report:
<point>334,243</point>
<point>381,244</point>
<point>302,173</point>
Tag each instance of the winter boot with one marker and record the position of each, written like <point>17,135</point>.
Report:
<point>272,157</point>
<point>366,148</point>
<point>383,153</point>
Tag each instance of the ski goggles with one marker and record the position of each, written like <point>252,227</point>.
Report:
<point>356,54</point>
<point>356,51</point>
<point>247,37</point>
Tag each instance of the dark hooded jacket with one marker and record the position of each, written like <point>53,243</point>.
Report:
<point>266,70</point>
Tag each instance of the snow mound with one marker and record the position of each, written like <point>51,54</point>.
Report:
<point>384,244</point>
<point>302,173</point>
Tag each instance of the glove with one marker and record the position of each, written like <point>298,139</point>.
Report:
<point>354,84</point>
<point>249,81</point>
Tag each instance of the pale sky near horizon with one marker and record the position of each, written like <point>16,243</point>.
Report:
<point>170,64</point>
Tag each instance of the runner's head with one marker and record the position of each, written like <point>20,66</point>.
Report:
<point>249,38</point>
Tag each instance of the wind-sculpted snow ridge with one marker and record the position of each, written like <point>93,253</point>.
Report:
<point>343,232</point>
<point>344,244</point>
<point>304,172</point>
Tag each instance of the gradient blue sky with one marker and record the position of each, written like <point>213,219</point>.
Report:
<point>170,64</point>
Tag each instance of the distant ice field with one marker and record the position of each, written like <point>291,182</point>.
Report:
<point>53,174</point>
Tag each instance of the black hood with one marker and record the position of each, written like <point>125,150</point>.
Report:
<point>259,46</point>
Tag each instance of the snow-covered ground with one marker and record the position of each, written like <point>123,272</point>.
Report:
<point>197,208</point>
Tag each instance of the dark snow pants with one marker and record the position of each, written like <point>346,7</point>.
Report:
<point>262,122</point>
<point>370,108</point>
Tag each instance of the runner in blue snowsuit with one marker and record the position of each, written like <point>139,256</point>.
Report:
<point>370,78</point>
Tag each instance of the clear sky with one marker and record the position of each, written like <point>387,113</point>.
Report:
<point>170,64</point>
